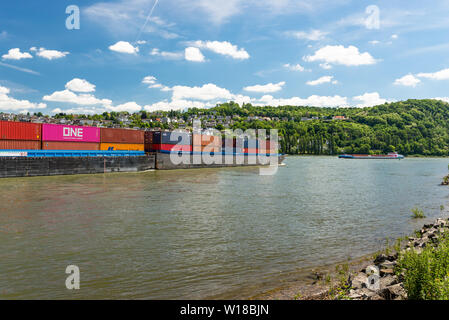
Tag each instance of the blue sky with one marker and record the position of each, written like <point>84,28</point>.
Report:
<point>199,53</point>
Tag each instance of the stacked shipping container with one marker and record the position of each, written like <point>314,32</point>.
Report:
<point>20,135</point>
<point>64,137</point>
<point>206,143</point>
<point>122,140</point>
<point>168,141</point>
<point>34,136</point>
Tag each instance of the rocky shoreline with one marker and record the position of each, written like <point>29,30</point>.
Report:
<point>381,280</point>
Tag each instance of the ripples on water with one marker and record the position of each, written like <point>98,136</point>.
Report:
<point>209,233</point>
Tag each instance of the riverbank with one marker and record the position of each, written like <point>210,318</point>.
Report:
<point>414,267</point>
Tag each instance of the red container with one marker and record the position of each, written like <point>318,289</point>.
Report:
<point>250,150</point>
<point>20,145</point>
<point>122,136</point>
<point>57,145</point>
<point>20,131</point>
<point>171,147</point>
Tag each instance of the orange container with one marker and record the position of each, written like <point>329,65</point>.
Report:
<point>58,145</point>
<point>206,140</point>
<point>122,147</point>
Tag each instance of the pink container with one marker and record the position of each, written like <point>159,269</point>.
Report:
<point>58,132</point>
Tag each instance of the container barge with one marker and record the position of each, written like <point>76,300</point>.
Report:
<point>392,155</point>
<point>32,149</point>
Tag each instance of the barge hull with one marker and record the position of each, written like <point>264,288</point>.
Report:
<point>11,167</point>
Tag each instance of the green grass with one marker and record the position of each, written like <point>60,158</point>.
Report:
<point>426,274</point>
<point>417,213</point>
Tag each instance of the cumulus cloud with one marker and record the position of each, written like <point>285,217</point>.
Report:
<point>266,88</point>
<point>341,55</point>
<point>50,54</point>
<point>80,85</point>
<point>369,100</point>
<point>294,67</point>
<point>68,96</point>
<point>8,103</point>
<point>408,81</point>
<point>324,79</point>
<point>312,35</point>
<point>177,105</point>
<point>16,54</point>
<point>224,48</point>
<point>128,106</point>
<point>193,54</point>
<point>439,75</point>
<point>206,92</point>
<point>314,100</point>
<point>124,47</point>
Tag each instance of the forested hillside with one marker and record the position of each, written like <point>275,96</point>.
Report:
<point>412,127</point>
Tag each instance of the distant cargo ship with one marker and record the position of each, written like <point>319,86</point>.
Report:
<point>391,155</point>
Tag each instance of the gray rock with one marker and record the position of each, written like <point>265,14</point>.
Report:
<point>359,281</point>
<point>380,258</point>
<point>388,281</point>
<point>397,291</point>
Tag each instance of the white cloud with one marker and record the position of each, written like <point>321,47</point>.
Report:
<point>80,85</point>
<point>149,80</point>
<point>374,42</point>
<point>394,36</point>
<point>152,83</point>
<point>131,107</point>
<point>177,105</point>
<point>439,75</point>
<point>324,79</point>
<point>68,96</point>
<point>314,100</point>
<point>124,47</point>
<point>349,56</point>
<point>369,100</point>
<point>312,35</point>
<point>193,54</point>
<point>141,42</point>
<point>51,54</point>
<point>267,88</point>
<point>408,81</point>
<point>15,54</point>
<point>8,103</point>
<point>167,55</point>
<point>224,48</point>
<point>206,92</point>
<point>294,67</point>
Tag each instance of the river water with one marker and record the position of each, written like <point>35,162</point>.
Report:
<point>205,233</point>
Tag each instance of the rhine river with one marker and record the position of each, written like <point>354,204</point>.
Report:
<point>205,233</point>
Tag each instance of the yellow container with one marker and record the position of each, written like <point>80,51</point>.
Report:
<point>121,147</point>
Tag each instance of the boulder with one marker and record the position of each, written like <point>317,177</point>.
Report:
<point>359,281</point>
<point>387,281</point>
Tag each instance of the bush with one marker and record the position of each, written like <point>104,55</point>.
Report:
<point>426,274</point>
